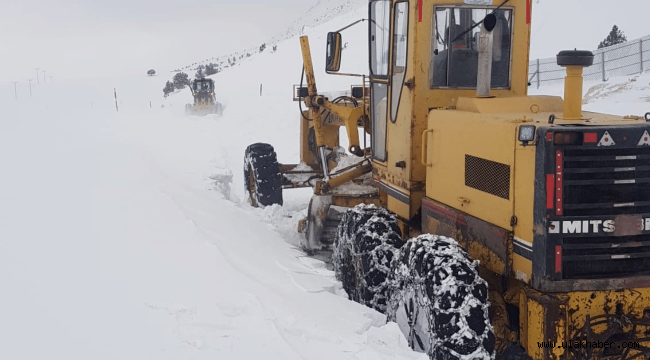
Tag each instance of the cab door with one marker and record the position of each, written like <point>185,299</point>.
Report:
<point>379,32</point>
<point>391,117</point>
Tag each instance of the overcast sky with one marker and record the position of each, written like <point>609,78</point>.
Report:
<point>113,37</point>
<point>567,24</point>
<point>90,38</point>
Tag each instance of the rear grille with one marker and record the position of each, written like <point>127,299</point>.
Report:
<point>602,257</point>
<point>606,181</point>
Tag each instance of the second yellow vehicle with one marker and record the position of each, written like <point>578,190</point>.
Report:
<point>205,101</point>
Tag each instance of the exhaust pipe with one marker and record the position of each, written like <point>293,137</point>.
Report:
<point>486,39</point>
<point>574,61</point>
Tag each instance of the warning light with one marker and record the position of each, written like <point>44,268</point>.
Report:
<point>568,138</point>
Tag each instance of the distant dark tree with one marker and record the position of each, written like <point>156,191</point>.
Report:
<point>151,72</point>
<point>211,69</point>
<point>275,48</point>
<point>169,88</point>
<point>201,67</point>
<point>262,47</point>
<point>199,74</point>
<point>181,80</point>
<point>616,36</point>
<point>248,55</point>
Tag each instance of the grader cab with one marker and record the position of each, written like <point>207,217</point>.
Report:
<point>205,101</point>
<point>473,196</point>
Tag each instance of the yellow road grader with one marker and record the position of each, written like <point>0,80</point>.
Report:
<point>483,221</point>
<point>205,101</point>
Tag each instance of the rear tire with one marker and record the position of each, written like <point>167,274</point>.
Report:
<point>262,178</point>
<point>366,242</point>
<point>439,301</point>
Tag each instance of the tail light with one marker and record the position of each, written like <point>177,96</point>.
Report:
<point>568,138</point>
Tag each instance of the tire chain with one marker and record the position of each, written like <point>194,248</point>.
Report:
<point>447,287</point>
<point>362,260</point>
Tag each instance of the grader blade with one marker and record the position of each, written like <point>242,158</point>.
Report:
<point>205,102</point>
<point>321,224</point>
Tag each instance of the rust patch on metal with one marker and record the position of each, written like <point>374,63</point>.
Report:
<point>484,241</point>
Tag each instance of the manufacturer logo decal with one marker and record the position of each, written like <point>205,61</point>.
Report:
<point>591,226</point>
<point>606,140</point>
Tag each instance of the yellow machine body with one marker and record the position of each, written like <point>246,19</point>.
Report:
<point>205,101</point>
<point>451,162</point>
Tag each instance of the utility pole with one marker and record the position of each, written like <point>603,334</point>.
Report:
<point>30,87</point>
<point>38,80</point>
<point>51,78</point>
<point>44,79</point>
<point>15,91</point>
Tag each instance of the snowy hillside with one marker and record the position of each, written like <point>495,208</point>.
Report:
<point>322,12</point>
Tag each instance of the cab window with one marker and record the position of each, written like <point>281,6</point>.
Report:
<point>400,41</point>
<point>379,37</point>
<point>454,60</point>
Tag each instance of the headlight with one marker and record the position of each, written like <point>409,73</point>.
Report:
<point>526,133</point>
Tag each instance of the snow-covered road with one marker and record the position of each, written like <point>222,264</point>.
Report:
<point>122,237</point>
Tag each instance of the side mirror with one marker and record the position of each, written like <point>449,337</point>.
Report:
<point>333,55</point>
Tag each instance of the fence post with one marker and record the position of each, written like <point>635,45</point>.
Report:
<point>602,59</point>
<point>538,73</point>
<point>115,93</point>
<point>641,54</point>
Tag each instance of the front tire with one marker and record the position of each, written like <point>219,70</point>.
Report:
<point>365,245</point>
<point>439,301</point>
<point>262,177</point>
